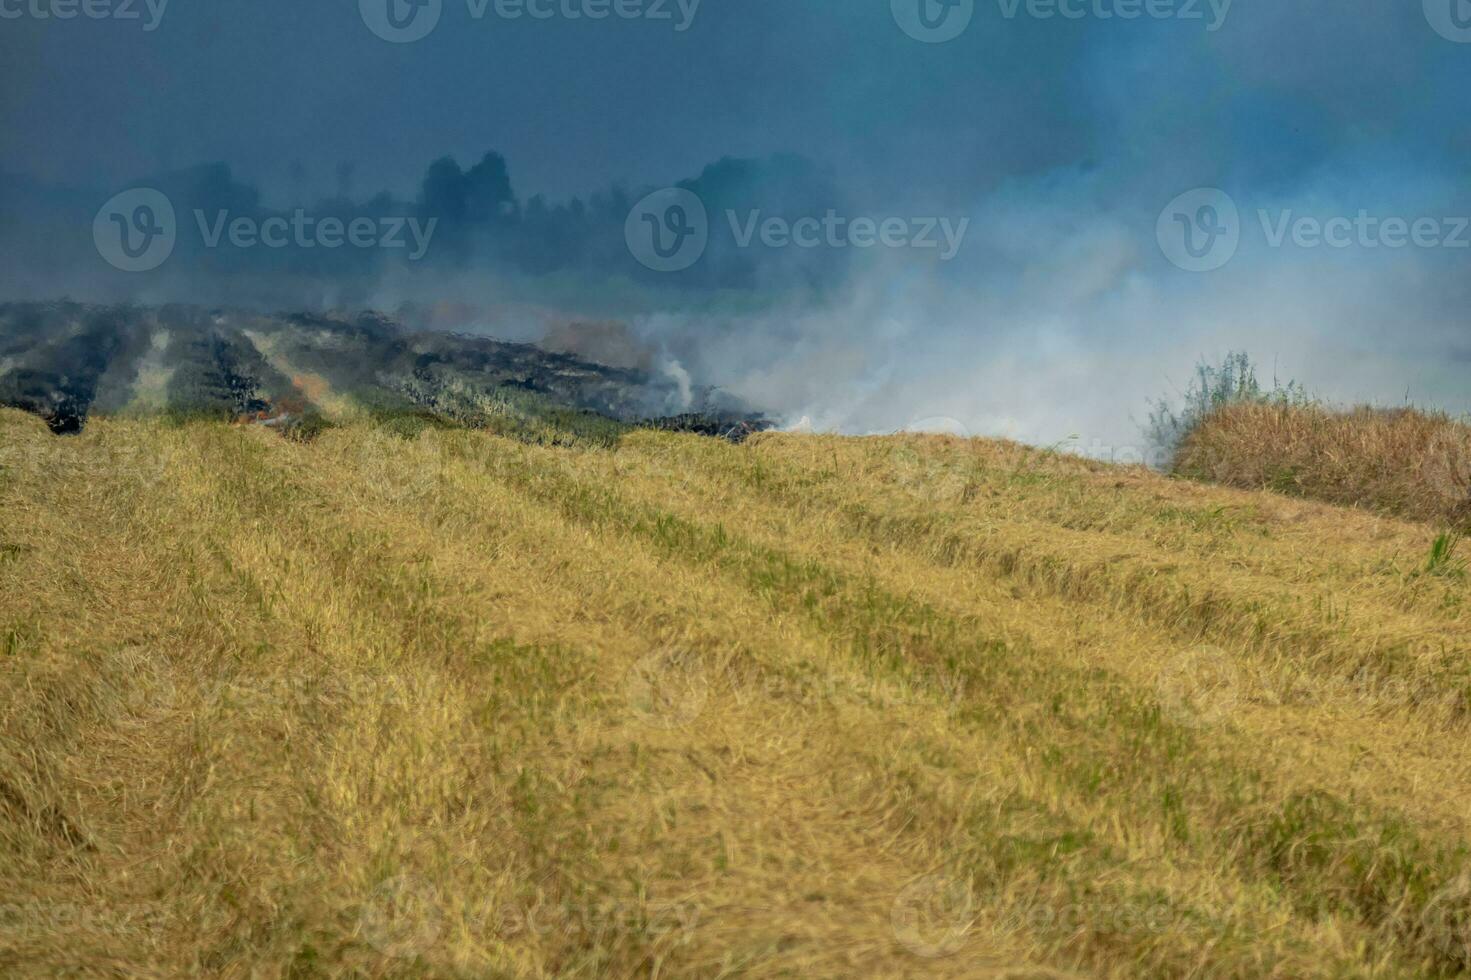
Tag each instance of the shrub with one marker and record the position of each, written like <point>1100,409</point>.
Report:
<point>1231,430</point>
<point>1401,462</point>
<point>1234,382</point>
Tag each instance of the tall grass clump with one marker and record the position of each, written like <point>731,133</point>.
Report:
<point>1215,387</point>
<point>1404,462</point>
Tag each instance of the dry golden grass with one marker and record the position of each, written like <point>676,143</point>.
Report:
<point>458,706</point>
<point>1400,462</point>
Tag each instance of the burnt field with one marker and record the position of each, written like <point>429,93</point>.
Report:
<point>68,361</point>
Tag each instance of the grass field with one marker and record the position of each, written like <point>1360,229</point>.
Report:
<point>444,703</point>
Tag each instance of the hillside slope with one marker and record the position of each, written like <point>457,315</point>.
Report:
<point>456,705</point>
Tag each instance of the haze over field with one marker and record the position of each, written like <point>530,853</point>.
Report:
<point>512,488</point>
<point>1059,141</point>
